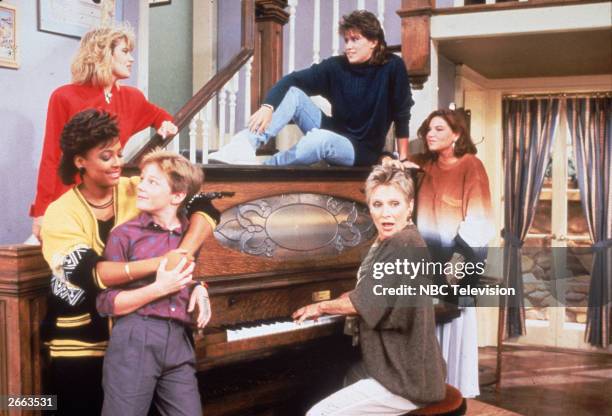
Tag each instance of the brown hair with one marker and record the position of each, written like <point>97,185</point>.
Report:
<point>367,24</point>
<point>387,174</point>
<point>183,176</point>
<point>83,132</point>
<point>457,123</point>
<point>92,63</point>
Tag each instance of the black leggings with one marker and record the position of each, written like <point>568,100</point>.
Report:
<point>77,382</point>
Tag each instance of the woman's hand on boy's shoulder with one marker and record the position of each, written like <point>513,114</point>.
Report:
<point>175,256</point>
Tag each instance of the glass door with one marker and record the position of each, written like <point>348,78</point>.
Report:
<point>556,257</point>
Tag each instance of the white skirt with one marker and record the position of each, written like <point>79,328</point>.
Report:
<point>459,342</point>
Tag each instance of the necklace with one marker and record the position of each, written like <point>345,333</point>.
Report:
<point>108,96</point>
<point>101,206</point>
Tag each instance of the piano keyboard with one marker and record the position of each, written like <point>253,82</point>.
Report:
<point>277,327</point>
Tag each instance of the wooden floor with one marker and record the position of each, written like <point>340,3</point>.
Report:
<point>478,408</point>
<point>537,382</point>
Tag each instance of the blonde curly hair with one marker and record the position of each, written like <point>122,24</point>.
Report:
<point>92,63</point>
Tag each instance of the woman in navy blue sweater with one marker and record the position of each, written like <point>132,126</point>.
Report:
<point>368,89</point>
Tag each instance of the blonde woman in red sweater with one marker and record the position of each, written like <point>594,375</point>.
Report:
<point>104,58</point>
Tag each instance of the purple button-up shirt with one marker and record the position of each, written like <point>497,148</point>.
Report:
<point>139,239</point>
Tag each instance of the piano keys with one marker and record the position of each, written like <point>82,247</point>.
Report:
<point>273,326</point>
<point>240,301</point>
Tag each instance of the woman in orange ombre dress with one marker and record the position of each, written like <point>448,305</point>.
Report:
<point>454,216</point>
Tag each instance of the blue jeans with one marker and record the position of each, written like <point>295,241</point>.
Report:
<point>316,145</point>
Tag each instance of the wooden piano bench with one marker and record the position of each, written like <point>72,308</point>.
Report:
<point>452,405</point>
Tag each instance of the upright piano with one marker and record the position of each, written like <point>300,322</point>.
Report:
<point>287,237</point>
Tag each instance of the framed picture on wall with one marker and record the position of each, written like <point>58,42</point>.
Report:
<point>74,18</point>
<point>8,36</point>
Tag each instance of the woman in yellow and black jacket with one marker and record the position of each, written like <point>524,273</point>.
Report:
<point>75,230</point>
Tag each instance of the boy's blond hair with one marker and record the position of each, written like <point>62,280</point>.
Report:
<point>182,175</point>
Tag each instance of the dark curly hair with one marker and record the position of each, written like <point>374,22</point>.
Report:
<point>367,24</point>
<point>84,131</point>
<point>456,121</point>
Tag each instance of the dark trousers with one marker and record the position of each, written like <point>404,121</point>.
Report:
<point>150,360</point>
<point>76,382</point>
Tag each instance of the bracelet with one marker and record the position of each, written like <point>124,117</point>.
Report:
<point>126,267</point>
<point>269,106</point>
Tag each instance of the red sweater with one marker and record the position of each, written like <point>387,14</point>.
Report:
<point>133,112</point>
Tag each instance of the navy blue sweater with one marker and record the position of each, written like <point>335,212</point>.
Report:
<point>365,99</point>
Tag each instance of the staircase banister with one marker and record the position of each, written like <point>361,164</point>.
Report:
<point>212,87</point>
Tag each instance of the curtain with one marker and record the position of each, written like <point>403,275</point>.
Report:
<point>528,129</point>
<point>590,124</point>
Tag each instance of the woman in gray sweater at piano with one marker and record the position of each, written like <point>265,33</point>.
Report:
<point>401,367</point>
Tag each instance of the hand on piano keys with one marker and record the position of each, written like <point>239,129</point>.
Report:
<point>312,311</point>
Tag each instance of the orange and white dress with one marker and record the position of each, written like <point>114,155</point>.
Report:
<point>455,201</point>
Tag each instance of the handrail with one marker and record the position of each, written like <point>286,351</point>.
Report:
<point>183,117</point>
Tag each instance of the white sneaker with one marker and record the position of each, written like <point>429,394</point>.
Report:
<point>238,151</point>
<point>32,241</point>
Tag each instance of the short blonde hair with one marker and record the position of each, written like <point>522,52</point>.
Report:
<point>389,175</point>
<point>182,175</point>
<point>92,63</point>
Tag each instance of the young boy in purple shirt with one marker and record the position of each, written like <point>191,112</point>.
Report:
<point>150,356</point>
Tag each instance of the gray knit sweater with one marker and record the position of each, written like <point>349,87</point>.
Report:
<point>397,338</point>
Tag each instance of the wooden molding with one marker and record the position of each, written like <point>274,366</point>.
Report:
<point>270,17</point>
<point>514,346</point>
<point>273,10</point>
<point>512,6</point>
<point>23,270</point>
<point>416,30</point>
<point>4,347</point>
<point>24,284</point>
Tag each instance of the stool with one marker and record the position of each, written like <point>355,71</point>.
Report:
<point>452,405</point>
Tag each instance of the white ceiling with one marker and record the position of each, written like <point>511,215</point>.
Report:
<point>587,52</point>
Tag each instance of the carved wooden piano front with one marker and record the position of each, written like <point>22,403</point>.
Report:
<point>287,237</point>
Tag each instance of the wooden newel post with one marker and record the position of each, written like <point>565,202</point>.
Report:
<point>24,284</point>
<point>416,16</point>
<point>270,16</point>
